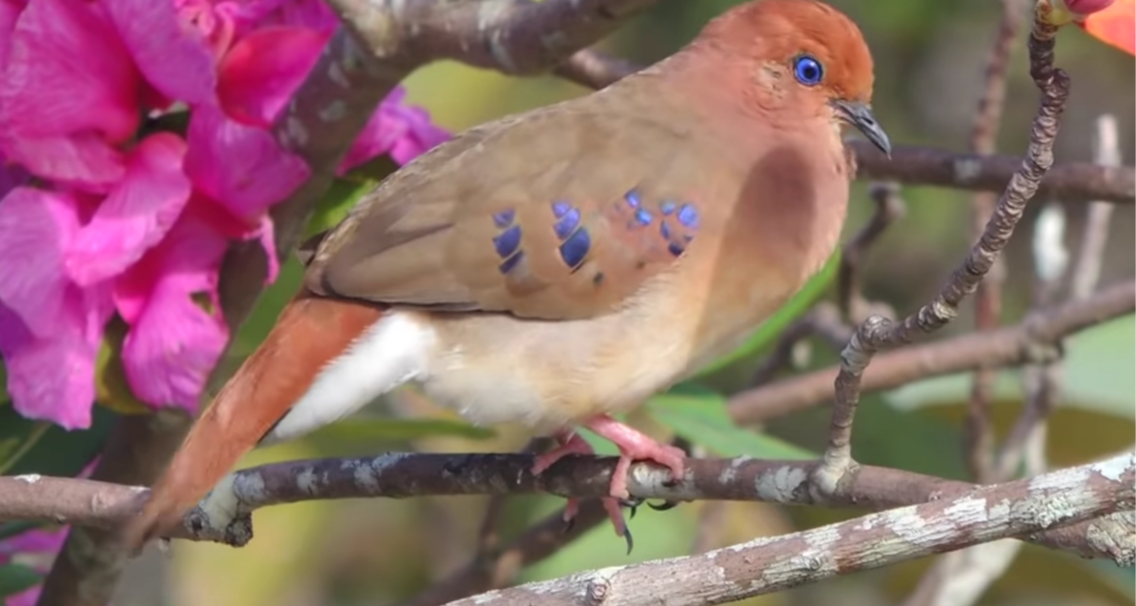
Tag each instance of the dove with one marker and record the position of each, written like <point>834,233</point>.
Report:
<point>556,268</point>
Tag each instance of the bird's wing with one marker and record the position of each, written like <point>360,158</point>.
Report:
<point>562,213</point>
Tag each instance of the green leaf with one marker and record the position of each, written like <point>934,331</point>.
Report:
<point>5,398</point>
<point>339,199</point>
<point>111,386</point>
<point>771,329</point>
<point>368,429</point>
<point>15,578</point>
<point>48,449</point>
<point>700,416</point>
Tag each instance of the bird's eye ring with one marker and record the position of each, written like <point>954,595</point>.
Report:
<point>808,70</point>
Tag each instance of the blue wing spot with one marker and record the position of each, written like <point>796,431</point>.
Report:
<point>644,216</point>
<point>668,207</point>
<point>575,248</point>
<point>675,249</point>
<point>567,224</point>
<point>633,198</point>
<point>665,229</point>
<point>508,241</point>
<point>688,215</point>
<point>560,208</point>
<point>510,263</point>
<point>504,218</point>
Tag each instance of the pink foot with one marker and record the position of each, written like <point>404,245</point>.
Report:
<point>635,446</point>
<point>571,443</point>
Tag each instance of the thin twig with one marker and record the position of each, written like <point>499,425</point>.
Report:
<point>501,565</point>
<point>1090,255</point>
<point>1032,339</point>
<point>878,333</point>
<point>1043,381</point>
<point>822,321</point>
<point>978,436</point>
<point>488,535</point>
<point>890,207</point>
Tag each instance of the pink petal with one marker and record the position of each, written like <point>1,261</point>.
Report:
<point>9,12</point>
<point>1087,7</point>
<point>240,167</point>
<point>265,232</point>
<point>27,597</point>
<point>51,377</point>
<point>83,159</point>
<point>12,175</point>
<point>36,226</point>
<point>34,541</point>
<point>136,214</point>
<point>173,342</point>
<point>260,73</point>
<point>67,76</point>
<point>172,54</point>
<point>404,132</point>
<point>214,20</point>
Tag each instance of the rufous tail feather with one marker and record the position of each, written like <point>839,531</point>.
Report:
<point>310,332</point>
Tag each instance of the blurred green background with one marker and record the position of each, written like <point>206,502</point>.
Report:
<point>930,57</point>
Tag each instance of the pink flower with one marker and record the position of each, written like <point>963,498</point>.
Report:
<point>1087,7</point>
<point>67,96</point>
<point>140,226</point>
<point>32,542</point>
<point>403,132</point>
<point>50,328</point>
<point>174,341</point>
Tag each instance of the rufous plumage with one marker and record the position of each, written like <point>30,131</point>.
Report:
<point>560,266</point>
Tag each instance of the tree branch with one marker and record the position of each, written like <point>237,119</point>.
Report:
<point>877,333</point>
<point>890,207</point>
<point>498,567</point>
<point>511,36</point>
<point>406,475</point>
<point>1034,338</point>
<point>770,564</point>
<point>978,436</point>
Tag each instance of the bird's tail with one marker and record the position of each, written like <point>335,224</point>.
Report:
<point>310,332</point>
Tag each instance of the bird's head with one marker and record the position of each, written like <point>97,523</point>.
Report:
<point>798,56</point>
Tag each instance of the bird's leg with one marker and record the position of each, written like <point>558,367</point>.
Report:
<point>635,446</point>
<point>571,443</point>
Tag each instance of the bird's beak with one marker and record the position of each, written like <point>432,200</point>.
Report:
<point>860,115</point>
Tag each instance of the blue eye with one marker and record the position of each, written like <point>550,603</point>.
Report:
<point>808,70</point>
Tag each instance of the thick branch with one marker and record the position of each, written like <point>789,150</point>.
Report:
<point>512,36</point>
<point>770,564</point>
<point>404,475</point>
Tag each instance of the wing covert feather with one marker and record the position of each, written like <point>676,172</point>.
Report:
<point>542,215</point>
